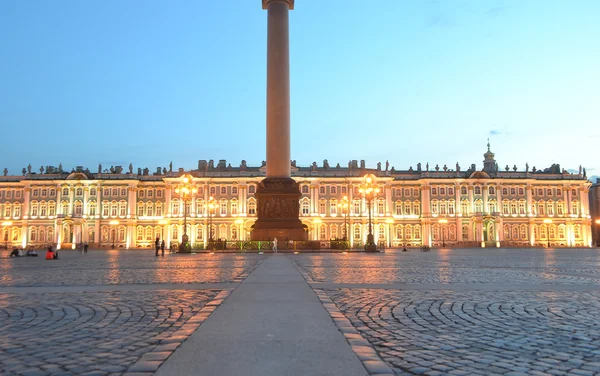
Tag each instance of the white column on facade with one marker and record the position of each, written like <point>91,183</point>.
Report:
<point>58,233</point>
<point>585,201</point>
<point>25,210</point>
<point>458,229</point>
<point>168,202</point>
<point>567,198</point>
<point>86,197</point>
<point>485,188</point>
<point>425,201</point>
<point>71,201</point>
<point>532,238</point>
<point>97,235</point>
<point>278,88</point>
<point>388,199</point>
<point>499,198</point>
<point>131,202</point>
<point>458,208</point>
<point>471,199</point>
<point>529,199</point>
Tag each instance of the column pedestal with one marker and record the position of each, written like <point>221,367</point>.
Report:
<point>278,210</point>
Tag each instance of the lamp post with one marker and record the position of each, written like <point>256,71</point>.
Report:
<point>368,189</point>
<point>113,232</point>
<point>5,225</point>
<point>444,222</point>
<point>211,205</point>
<point>343,205</point>
<point>185,190</point>
<point>548,221</point>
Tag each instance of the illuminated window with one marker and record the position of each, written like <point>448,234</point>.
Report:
<point>142,193</point>
<point>399,232</point>
<point>333,190</point>
<point>463,190</point>
<point>150,210</point>
<point>416,208</point>
<point>159,210</point>
<point>491,190</point>
<point>65,191</point>
<point>333,207</point>
<point>93,192</point>
<point>251,207</point>
<point>223,208</point>
<point>234,208</point>
<point>322,207</point>
<point>407,208</point>
<point>123,209</point>
<point>398,207</point>
<point>34,210</point>
<point>442,191</point>
<point>43,210</point>
<point>356,207</point>
<point>477,190</point>
<point>252,189</point>
<point>305,207</point>
<point>78,208</point>
<point>92,209</point>
<point>79,192</point>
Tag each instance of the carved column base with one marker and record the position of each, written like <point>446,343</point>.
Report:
<point>278,211</point>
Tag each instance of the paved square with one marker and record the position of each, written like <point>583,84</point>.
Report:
<point>455,312</point>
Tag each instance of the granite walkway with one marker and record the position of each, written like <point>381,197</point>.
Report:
<point>271,324</point>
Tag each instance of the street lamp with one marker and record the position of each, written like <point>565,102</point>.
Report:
<point>548,221</point>
<point>444,222</point>
<point>368,189</point>
<point>343,205</point>
<point>113,232</point>
<point>185,190</point>
<point>212,204</point>
<point>5,225</point>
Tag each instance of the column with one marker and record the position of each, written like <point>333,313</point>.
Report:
<point>529,196</point>
<point>499,197</point>
<point>168,202</point>
<point>86,196</point>
<point>278,88</point>
<point>97,235</point>
<point>471,200</point>
<point>388,199</point>
<point>567,198</point>
<point>532,234</point>
<point>585,201</point>
<point>131,201</point>
<point>25,211</point>
<point>425,201</point>
<point>485,188</point>
<point>458,208</point>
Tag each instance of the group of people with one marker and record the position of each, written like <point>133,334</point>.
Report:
<point>19,253</point>
<point>160,246</point>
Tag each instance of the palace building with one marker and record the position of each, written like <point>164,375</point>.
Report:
<point>488,207</point>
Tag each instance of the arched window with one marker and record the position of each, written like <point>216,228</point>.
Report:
<point>399,232</point>
<point>451,232</point>
<point>513,207</point>
<point>175,207</point>
<point>322,207</point>
<point>398,207</point>
<point>223,231</point>
<point>356,231</point>
<point>434,207</point>
<point>381,207</point>
<point>93,192</point>
<point>199,207</point>
<point>333,207</point>
<point>305,189</point>
<point>121,234</point>
<point>522,207</point>
<point>515,232</point>
<point>200,233</point>
<point>234,233</point>
<point>435,232</point>
<point>34,209</point>
<point>140,209</point>
<point>158,232</point>
<point>140,233</point>
<point>418,232</point>
<point>149,209</point>
<point>234,207</point>
<point>52,209</point>
<point>78,208</point>
<point>465,233</point>
<point>252,189</point>
<point>113,209</point>
<point>577,231</point>
<point>561,232</point>
<point>464,207</point>
<point>33,234</point>
<point>560,208</point>
<point>174,232</point>
<point>149,233</point>
<point>305,207</point>
<point>478,206</point>
<point>323,232</point>
<point>552,231</point>
<point>463,190</point>
<point>92,208</point>
<point>65,192</point>
<point>416,208</point>
<point>575,207</point>
<point>65,208</point>
<point>251,207</point>
<point>505,191</point>
<point>122,208</point>
<point>550,207</point>
<point>333,232</point>
<point>42,234</point>
<point>223,207</point>
<point>159,209</point>
<point>506,232</point>
<point>79,192</point>
<point>491,190</point>
<point>523,231</point>
<point>477,190</point>
<point>407,208</point>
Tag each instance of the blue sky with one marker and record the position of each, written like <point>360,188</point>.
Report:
<point>149,82</point>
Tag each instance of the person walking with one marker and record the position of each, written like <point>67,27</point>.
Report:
<point>85,248</point>
<point>275,245</point>
<point>162,247</point>
<point>157,245</point>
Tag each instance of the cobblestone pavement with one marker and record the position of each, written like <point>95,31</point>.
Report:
<point>121,322</point>
<point>488,266</point>
<point>124,267</point>
<point>527,326</point>
<point>478,333</point>
<point>97,333</point>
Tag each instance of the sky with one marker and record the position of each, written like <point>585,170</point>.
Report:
<point>150,82</point>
